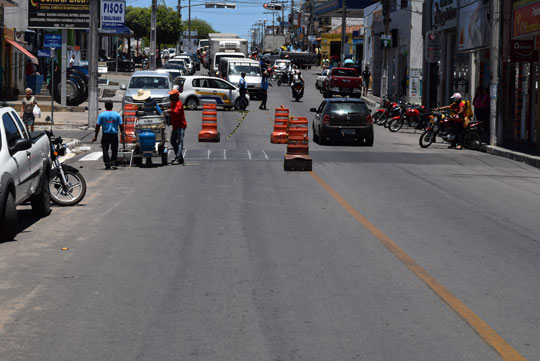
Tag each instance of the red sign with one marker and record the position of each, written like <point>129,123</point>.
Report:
<point>526,20</point>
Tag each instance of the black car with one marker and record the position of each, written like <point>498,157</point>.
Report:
<point>344,119</point>
<point>177,66</point>
<point>125,63</point>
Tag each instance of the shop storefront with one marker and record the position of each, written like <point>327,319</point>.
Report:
<point>520,76</point>
<point>331,43</point>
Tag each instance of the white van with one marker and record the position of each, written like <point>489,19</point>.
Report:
<point>231,68</point>
<point>214,63</point>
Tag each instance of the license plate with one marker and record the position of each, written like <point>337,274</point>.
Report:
<point>348,131</point>
<point>346,90</point>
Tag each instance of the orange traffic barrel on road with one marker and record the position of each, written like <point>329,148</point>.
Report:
<point>209,131</point>
<point>297,156</point>
<point>129,116</point>
<point>279,136</point>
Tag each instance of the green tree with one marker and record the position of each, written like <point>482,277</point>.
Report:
<point>202,27</point>
<point>138,20</point>
<point>168,25</point>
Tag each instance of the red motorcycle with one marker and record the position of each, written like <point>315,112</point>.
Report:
<point>415,116</point>
<point>383,113</point>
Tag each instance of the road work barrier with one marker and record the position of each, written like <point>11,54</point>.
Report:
<point>129,116</point>
<point>297,157</point>
<point>209,131</point>
<point>279,136</point>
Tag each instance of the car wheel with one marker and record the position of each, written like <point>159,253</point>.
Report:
<point>241,103</point>
<point>41,203</point>
<point>8,223</point>
<point>192,103</point>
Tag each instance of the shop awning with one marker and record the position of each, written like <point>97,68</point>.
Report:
<point>21,48</point>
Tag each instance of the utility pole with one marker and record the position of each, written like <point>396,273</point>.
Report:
<point>386,19</point>
<point>93,64</point>
<point>178,46</point>
<point>153,36</point>
<point>189,26</point>
<point>343,29</point>
<point>494,129</point>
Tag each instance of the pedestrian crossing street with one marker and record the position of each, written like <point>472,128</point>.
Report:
<point>212,154</point>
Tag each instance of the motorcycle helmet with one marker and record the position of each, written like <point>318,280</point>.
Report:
<point>455,97</point>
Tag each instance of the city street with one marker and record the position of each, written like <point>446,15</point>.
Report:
<point>390,252</point>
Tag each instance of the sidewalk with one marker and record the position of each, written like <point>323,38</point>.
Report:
<point>532,159</point>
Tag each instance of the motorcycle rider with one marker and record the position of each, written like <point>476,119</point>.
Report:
<point>458,108</point>
<point>296,78</point>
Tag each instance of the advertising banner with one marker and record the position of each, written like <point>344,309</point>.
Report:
<point>113,14</point>
<point>526,20</point>
<point>67,14</point>
<point>473,27</point>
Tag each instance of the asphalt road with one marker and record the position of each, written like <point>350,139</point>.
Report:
<point>386,253</point>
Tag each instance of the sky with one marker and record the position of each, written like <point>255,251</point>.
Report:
<point>239,20</point>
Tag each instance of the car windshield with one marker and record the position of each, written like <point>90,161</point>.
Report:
<point>343,108</point>
<point>149,82</point>
<point>345,72</point>
<point>249,69</point>
<point>218,57</point>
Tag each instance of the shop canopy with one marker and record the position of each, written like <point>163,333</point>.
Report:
<point>121,31</point>
<point>334,8</point>
<point>20,48</point>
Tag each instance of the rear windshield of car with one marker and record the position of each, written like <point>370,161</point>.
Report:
<point>240,67</point>
<point>282,63</point>
<point>345,72</point>
<point>341,108</point>
<point>149,82</point>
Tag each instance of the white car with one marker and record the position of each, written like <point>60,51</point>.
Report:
<point>190,65</point>
<point>197,90</point>
<point>320,78</point>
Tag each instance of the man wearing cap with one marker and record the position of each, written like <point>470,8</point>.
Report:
<point>179,124</point>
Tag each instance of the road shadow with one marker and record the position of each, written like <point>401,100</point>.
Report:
<point>25,220</point>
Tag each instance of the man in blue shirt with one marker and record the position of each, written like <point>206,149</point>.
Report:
<point>110,121</point>
<point>264,90</point>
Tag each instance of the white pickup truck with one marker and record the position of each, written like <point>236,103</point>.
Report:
<point>25,166</point>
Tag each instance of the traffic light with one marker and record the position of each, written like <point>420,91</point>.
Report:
<point>272,6</point>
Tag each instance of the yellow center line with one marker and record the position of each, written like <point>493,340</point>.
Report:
<point>489,335</point>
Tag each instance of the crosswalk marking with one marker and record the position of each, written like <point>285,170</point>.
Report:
<point>92,157</point>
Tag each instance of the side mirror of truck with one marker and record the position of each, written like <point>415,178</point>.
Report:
<point>313,110</point>
<point>123,86</point>
<point>20,145</point>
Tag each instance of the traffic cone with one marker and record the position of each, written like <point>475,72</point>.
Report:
<point>297,156</point>
<point>279,136</point>
<point>209,131</point>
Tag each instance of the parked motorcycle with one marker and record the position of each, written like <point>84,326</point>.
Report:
<point>67,184</point>
<point>382,114</point>
<point>442,125</point>
<point>415,116</point>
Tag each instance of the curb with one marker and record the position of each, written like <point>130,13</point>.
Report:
<point>510,154</point>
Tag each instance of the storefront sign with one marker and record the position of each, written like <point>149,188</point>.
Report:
<point>59,14</point>
<point>414,82</point>
<point>112,14</point>
<point>432,47</point>
<point>526,20</point>
<point>444,14</point>
<point>523,50</point>
<point>472,26</point>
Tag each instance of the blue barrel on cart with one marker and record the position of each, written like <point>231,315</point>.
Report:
<point>147,141</point>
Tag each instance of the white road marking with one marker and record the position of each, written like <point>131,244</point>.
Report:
<point>224,154</point>
<point>249,154</point>
<point>92,157</point>
<point>265,155</point>
<point>208,154</point>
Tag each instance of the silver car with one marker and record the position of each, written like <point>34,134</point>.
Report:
<point>197,90</point>
<point>158,82</point>
<point>190,66</point>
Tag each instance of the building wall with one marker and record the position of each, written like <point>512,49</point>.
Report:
<point>17,17</point>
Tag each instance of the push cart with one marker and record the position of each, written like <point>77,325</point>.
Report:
<point>150,139</point>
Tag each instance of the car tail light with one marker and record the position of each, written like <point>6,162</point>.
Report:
<point>326,119</point>
<point>369,119</point>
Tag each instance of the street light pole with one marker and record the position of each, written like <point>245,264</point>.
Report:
<point>189,26</point>
<point>153,36</point>
<point>343,29</point>
<point>92,64</point>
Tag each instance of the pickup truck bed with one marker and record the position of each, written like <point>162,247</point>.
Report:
<point>25,165</point>
<point>342,81</point>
